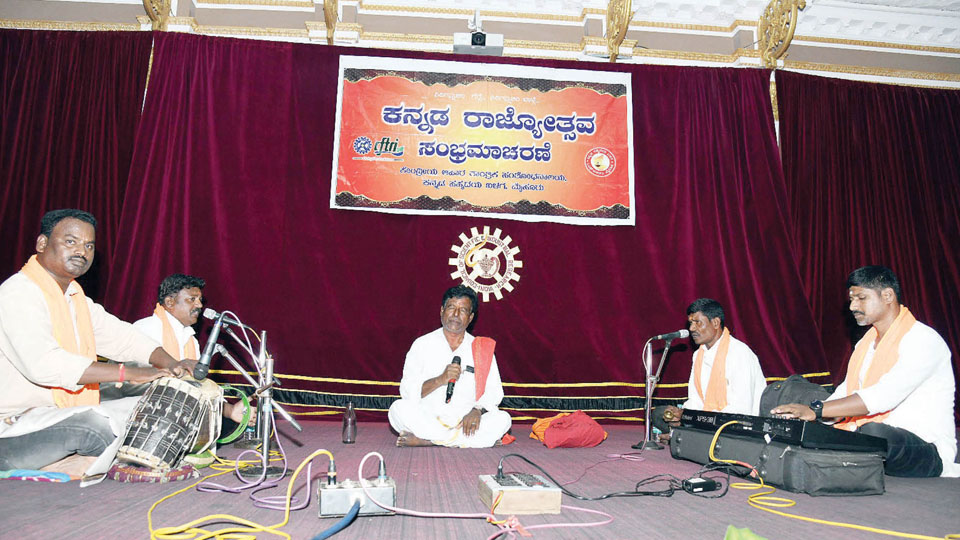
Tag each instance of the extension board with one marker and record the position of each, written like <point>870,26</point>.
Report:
<point>522,494</point>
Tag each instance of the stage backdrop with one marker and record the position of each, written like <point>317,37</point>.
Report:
<point>892,200</point>
<point>231,181</point>
<point>69,107</point>
<point>517,142</point>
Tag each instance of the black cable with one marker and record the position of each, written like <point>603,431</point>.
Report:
<point>674,484</point>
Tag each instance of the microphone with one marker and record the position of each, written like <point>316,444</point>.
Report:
<point>679,334</point>
<point>212,314</point>
<point>203,365</point>
<point>452,382</point>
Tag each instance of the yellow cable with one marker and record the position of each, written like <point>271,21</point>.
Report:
<point>493,507</point>
<point>190,531</point>
<point>763,501</point>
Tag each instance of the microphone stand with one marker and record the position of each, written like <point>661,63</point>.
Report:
<point>276,381</point>
<point>265,415</point>
<point>652,380</point>
<point>236,365</point>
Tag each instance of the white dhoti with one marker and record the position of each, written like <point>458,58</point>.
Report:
<point>424,422</point>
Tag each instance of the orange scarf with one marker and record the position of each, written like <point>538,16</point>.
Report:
<point>716,398</point>
<point>482,348</point>
<point>170,343</point>
<point>884,357</point>
<point>64,332</point>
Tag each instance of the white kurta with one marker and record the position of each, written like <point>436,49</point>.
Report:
<point>745,381</point>
<point>429,417</point>
<point>918,391</point>
<point>152,327</point>
<point>31,361</point>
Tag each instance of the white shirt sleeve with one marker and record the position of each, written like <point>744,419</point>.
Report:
<point>918,361</point>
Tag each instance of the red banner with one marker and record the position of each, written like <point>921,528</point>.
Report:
<point>520,142</point>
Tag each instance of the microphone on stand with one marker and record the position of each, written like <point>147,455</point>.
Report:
<point>452,382</point>
<point>212,314</point>
<point>203,365</point>
<point>679,334</point>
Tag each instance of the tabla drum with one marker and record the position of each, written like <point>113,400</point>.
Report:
<point>167,422</point>
<point>211,425</point>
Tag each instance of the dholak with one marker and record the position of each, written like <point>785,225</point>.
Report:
<point>166,423</point>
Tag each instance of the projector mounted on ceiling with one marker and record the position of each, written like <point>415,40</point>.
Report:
<point>478,43</point>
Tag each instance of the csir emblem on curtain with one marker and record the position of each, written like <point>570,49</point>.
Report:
<point>486,262</point>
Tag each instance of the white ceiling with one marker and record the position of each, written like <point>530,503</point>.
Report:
<point>908,41</point>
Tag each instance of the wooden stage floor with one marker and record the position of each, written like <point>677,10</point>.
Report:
<point>445,480</point>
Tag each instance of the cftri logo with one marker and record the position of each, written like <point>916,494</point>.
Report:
<point>387,146</point>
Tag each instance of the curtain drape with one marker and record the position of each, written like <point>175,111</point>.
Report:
<point>231,181</point>
<point>69,107</point>
<point>873,174</point>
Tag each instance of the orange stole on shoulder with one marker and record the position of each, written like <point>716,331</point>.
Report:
<point>716,396</point>
<point>482,348</point>
<point>63,331</point>
<point>170,343</point>
<point>885,356</point>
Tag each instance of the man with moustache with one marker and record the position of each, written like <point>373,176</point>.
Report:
<point>179,305</point>
<point>50,337</point>
<point>725,376</point>
<point>899,383</point>
<point>422,416</point>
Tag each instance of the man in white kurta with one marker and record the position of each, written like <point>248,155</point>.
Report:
<point>745,380</point>
<point>899,383</point>
<point>422,416</point>
<point>44,315</point>
<point>179,305</point>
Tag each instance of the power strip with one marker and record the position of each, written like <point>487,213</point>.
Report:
<point>522,494</point>
<point>336,500</point>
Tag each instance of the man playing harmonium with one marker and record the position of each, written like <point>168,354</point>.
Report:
<point>50,337</point>
<point>725,376</point>
<point>899,383</point>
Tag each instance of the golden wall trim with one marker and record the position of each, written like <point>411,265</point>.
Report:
<point>697,56</point>
<point>876,72</point>
<point>618,22</point>
<point>182,21</point>
<point>544,45</point>
<point>425,10</point>
<point>775,29</point>
<point>877,44</point>
<point>405,38</point>
<point>739,23</point>
<point>23,24</point>
<point>211,30</point>
<point>303,4</point>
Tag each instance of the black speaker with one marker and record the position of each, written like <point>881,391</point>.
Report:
<point>478,39</point>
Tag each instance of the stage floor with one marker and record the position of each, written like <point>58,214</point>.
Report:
<point>445,480</point>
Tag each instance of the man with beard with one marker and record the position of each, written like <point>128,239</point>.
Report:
<point>426,413</point>
<point>899,383</point>
<point>50,337</point>
<point>726,374</point>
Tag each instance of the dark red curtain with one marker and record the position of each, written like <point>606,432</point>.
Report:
<point>874,178</point>
<point>69,107</point>
<point>231,181</point>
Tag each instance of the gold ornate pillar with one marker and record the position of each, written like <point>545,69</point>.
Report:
<point>330,16</point>
<point>775,29</point>
<point>158,11</point>
<point>618,20</point>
